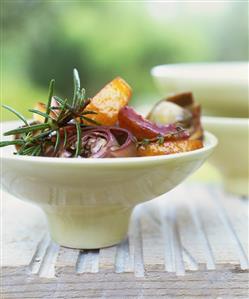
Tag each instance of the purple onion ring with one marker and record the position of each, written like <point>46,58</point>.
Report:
<point>101,142</point>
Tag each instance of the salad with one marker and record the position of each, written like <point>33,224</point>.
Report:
<point>105,126</point>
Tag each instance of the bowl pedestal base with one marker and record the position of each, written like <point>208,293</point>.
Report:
<point>88,227</point>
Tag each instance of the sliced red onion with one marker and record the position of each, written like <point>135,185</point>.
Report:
<point>107,142</point>
<point>99,142</point>
<point>143,128</point>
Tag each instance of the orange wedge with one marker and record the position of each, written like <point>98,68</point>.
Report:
<point>169,147</point>
<point>108,101</point>
<point>42,107</point>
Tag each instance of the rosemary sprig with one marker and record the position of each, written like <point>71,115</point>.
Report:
<point>78,144</point>
<point>62,102</point>
<point>90,120</point>
<point>41,136</point>
<point>65,137</point>
<point>29,150</point>
<point>30,128</point>
<point>76,81</point>
<point>37,150</point>
<point>12,142</point>
<point>62,110</point>
<point>22,148</point>
<point>50,95</point>
<point>34,138</point>
<point>45,115</point>
<point>160,139</point>
<point>19,115</point>
<point>88,112</point>
<point>57,142</point>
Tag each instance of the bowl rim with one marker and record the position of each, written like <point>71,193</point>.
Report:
<point>211,143</point>
<point>173,71</point>
<point>224,120</point>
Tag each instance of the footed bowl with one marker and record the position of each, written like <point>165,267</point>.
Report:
<point>88,202</point>
<point>231,157</point>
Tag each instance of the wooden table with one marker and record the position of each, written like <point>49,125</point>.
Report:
<point>190,243</point>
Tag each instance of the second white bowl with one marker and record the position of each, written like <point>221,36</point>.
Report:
<point>231,157</point>
<point>221,88</point>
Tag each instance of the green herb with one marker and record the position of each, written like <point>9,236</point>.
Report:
<point>65,137</point>
<point>34,137</point>
<point>90,120</point>
<point>27,129</point>
<point>45,115</point>
<point>19,115</point>
<point>57,143</point>
<point>76,81</point>
<point>145,141</point>
<point>29,150</point>
<point>62,110</point>
<point>88,112</point>
<point>160,139</point>
<point>37,150</point>
<point>78,144</point>
<point>12,142</point>
<point>50,95</point>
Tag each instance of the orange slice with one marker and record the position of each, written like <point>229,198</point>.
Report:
<point>108,101</point>
<point>42,107</point>
<point>169,147</point>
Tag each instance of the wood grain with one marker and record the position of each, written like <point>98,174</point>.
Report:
<point>190,243</point>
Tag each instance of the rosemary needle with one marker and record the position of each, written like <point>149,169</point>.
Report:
<point>50,95</point>
<point>76,81</point>
<point>57,143</point>
<point>90,120</point>
<point>18,114</point>
<point>12,142</point>
<point>27,129</point>
<point>78,145</point>
<point>45,115</point>
<point>65,137</point>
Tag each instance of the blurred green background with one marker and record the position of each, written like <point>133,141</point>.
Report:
<point>47,39</point>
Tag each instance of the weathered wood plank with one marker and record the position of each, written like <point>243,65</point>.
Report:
<point>107,259</point>
<point>88,261</point>
<point>23,224</point>
<point>203,284</point>
<point>190,243</point>
<point>123,261</point>
<point>136,243</point>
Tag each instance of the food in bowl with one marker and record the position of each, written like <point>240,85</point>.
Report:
<point>85,162</point>
<point>105,126</point>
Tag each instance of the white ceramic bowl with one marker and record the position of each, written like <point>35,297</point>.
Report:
<point>231,157</point>
<point>88,202</point>
<point>221,88</point>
